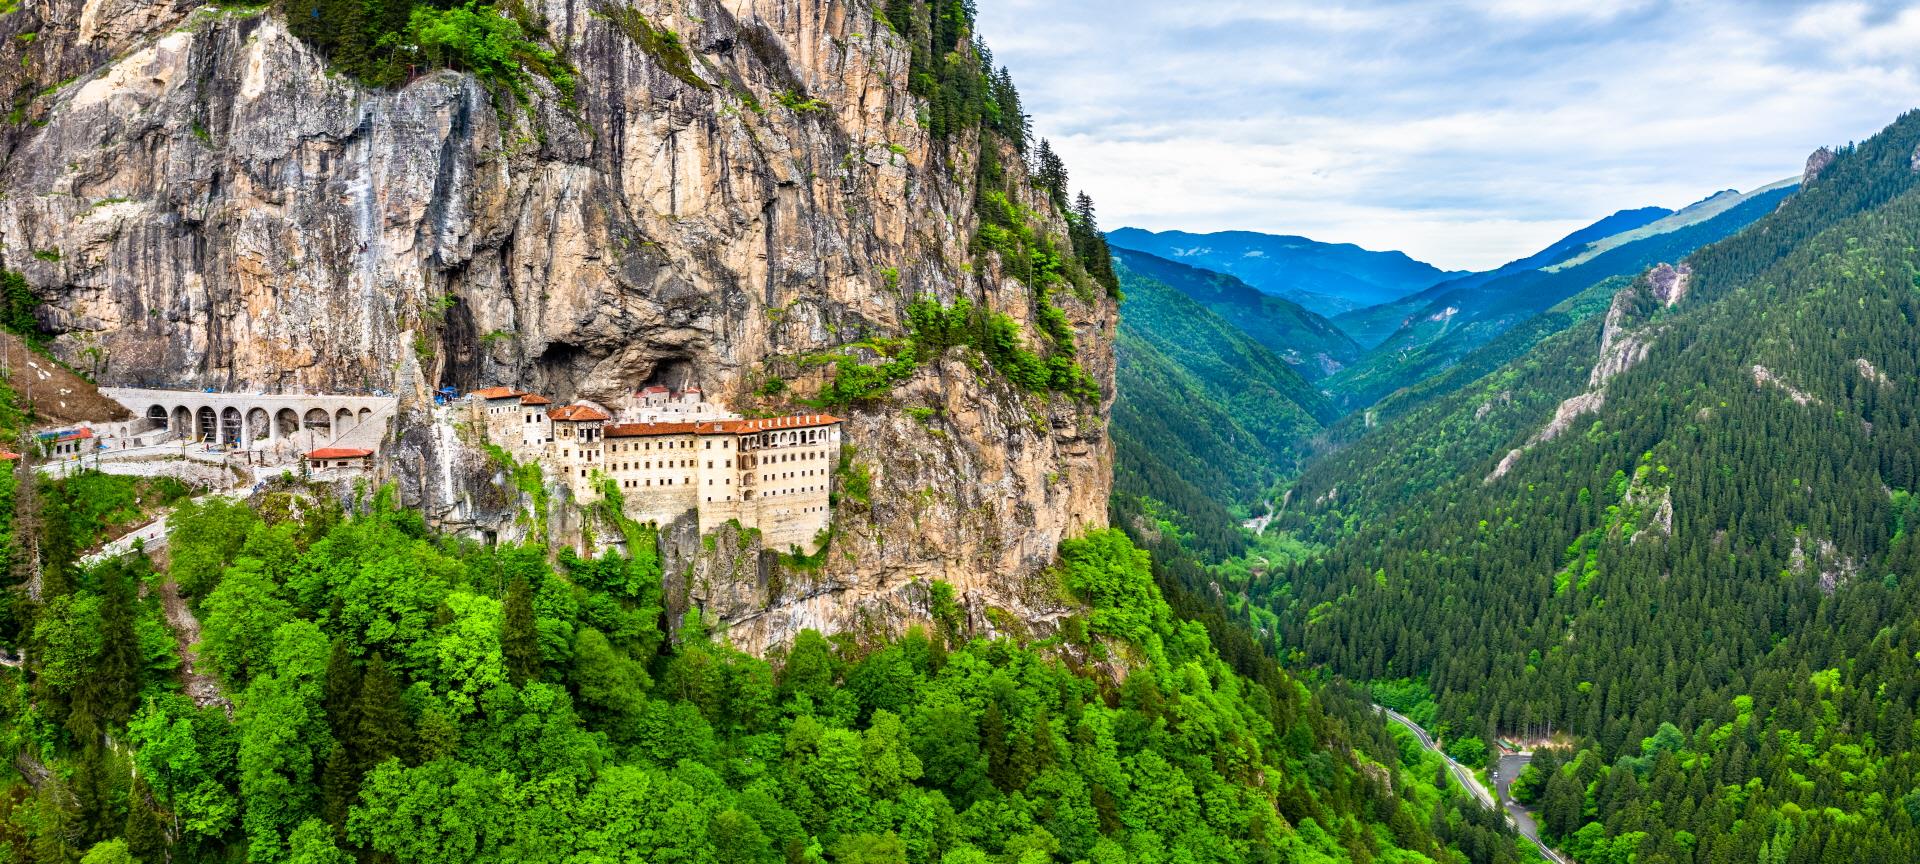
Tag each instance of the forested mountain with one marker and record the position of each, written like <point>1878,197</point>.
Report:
<point>1672,524</point>
<point>1327,278</point>
<point>1373,324</point>
<point>1206,416</point>
<point>1309,343</point>
<point>1439,326</point>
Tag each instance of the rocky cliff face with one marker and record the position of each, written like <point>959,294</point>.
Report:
<point>200,202</point>
<point>1625,341</point>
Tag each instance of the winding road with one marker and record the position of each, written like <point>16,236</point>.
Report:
<point>1507,768</point>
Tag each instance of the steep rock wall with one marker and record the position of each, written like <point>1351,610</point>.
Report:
<point>200,202</point>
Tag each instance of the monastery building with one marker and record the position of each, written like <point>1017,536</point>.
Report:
<point>670,452</point>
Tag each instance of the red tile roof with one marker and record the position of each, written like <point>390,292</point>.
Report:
<point>535,399</point>
<point>577,414</point>
<point>498,393</point>
<point>339,453</point>
<point>796,421</point>
<point>644,430</point>
<point>721,427</point>
<point>8,455</point>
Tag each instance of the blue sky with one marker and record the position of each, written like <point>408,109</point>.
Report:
<point>1465,133</point>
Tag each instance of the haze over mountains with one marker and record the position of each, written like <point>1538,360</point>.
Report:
<point>1328,278</point>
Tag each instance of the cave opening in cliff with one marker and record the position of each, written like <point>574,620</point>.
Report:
<point>464,350</point>
<point>673,373</point>
<point>561,367</point>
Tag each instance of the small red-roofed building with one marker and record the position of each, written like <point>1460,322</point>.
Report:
<point>335,461</point>
<point>66,443</point>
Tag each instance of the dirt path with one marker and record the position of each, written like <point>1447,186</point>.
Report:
<point>201,686</point>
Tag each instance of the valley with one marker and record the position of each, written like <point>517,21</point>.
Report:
<point>1661,514</point>
<point>723,432</point>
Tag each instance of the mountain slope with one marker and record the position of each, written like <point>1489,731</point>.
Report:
<point>1309,343</point>
<point>1372,325</point>
<point>1677,532</point>
<point>1206,416</point>
<point>1451,320</point>
<point>1327,278</point>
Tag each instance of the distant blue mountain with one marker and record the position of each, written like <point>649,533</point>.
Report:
<point>1327,278</point>
<point>1426,332</point>
<point>1371,326</point>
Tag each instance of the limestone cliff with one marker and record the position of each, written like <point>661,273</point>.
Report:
<point>201,202</point>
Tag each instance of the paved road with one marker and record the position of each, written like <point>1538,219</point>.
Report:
<point>1504,771</point>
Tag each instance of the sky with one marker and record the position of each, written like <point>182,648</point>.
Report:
<point>1465,133</point>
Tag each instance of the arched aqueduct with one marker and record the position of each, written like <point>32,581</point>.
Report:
<point>246,419</point>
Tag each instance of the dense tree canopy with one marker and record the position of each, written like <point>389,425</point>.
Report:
<point>1706,587</point>
<point>400,696</point>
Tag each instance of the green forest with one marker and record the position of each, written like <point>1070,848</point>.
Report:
<point>363,689</point>
<point>1704,592</point>
<point>1206,419</point>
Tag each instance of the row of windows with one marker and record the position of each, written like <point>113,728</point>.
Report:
<point>798,490</point>
<point>633,446</point>
<point>776,439</point>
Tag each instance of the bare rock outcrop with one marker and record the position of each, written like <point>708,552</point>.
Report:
<point>1871,373</point>
<point>201,202</point>
<point>1817,162</point>
<point>1625,340</point>
<point>1764,377</point>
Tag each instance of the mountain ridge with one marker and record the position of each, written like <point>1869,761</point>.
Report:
<point>1323,277</point>
<point>1306,341</point>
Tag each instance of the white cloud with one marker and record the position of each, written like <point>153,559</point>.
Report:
<point>1466,135</point>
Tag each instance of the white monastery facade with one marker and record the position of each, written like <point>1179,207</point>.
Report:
<point>672,452</point>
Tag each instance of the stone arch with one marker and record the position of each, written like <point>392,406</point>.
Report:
<point>343,419</point>
<point>182,422</point>
<point>317,420</point>
<point>159,414</point>
<point>206,423</point>
<point>259,425</point>
<point>286,421</point>
<point>364,414</point>
<point>229,425</point>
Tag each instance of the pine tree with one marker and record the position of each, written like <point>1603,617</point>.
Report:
<point>146,827</point>
<point>519,639</point>
<point>993,739</point>
<point>1050,174</point>
<point>113,687</point>
<point>338,787</point>
<point>380,724</point>
<point>59,835</point>
<point>342,686</point>
<point>93,797</point>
